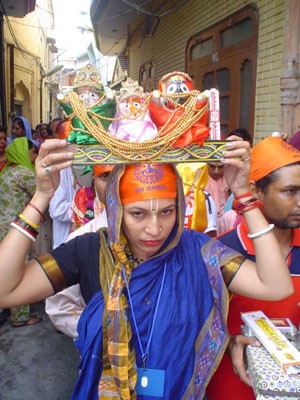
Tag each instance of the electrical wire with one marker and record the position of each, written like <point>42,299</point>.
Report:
<point>43,9</point>
<point>142,10</point>
<point>31,26</point>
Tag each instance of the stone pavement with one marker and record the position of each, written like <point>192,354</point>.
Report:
<point>36,362</point>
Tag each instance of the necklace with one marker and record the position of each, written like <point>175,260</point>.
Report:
<point>138,261</point>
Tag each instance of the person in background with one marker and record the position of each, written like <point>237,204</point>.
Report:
<point>218,188</point>
<point>20,128</point>
<point>60,208</point>
<point>177,280</point>
<point>17,185</point>
<point>3,144</point>
<point>200,212</point>
<point>211,210</point>
<point>65,308</point>
<point>94,210</point>
<point>43,133</point>
<point>3,162</point>
<point>243,134</point>
<point>295,140</point>
<point>52,127</point>
<point>275,181</point>
<point>35,134</point>
<point>63,129</point>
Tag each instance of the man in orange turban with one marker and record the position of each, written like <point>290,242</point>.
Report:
<point>271,154</point>
<point>275,181</point>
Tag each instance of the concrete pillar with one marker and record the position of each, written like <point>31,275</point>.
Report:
<point>290,78</point>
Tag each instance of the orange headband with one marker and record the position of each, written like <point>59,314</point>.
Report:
<point>147,181</point>
<point>270,154</point>
<point>64,129</point>
<point>102,168</point>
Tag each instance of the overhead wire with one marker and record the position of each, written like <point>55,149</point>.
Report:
<point>144,11</point>
<point>31,26</point>
<point>43,9</point>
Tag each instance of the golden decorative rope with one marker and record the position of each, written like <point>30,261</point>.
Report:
<point>167,135</point>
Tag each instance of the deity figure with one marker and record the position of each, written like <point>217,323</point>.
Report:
<point>88,107</point>
<point>177,105</point>
<point>132,120</point>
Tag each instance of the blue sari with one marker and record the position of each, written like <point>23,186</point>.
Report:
<point>190,334</point>
<point>28,132</point>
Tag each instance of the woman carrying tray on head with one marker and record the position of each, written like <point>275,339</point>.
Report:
<point>156,294</point>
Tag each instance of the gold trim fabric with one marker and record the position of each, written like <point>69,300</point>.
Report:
<point>52,271</point>
<point>118,359</point>
<point>230,269</point>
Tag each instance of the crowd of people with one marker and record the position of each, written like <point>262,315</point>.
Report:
<point>130,266</point>
<point>18,151</point>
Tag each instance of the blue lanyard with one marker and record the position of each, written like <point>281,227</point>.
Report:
<point>144,353</point>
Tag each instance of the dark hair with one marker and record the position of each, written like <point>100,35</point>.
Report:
<point>20,122</point>
<point>4,130</point>
<point>60,123</point>
<point>41,124</point>
<point>49,130</point>
<point>30,144</point>
<point>53,120</point>
<point>263,183</point>
<point>242,133</point>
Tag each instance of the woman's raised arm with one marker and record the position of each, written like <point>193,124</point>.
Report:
<point>22,282</point>
<point>269,277</point>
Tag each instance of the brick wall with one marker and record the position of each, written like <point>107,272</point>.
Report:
<point>167,49</point>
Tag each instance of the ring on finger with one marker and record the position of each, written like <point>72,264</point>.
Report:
<point>48,170</point>
<point>246,159</point>
<point>43,163</point>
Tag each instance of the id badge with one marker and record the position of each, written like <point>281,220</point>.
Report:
<point>150,382</point>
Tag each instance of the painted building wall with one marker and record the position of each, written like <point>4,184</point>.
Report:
<point>27,37</point>
<point>167,49</point>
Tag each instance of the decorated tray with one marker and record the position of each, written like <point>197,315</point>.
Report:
<point>97,154</point>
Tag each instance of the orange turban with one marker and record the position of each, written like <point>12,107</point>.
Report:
<point>102,168</point>
<point>147,181</point>
<point>64,129</point>
<point>270,154</point>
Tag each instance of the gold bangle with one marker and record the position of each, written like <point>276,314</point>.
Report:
<point>32,224</point>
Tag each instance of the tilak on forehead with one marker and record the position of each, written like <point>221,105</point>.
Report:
<point>147,181</point>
